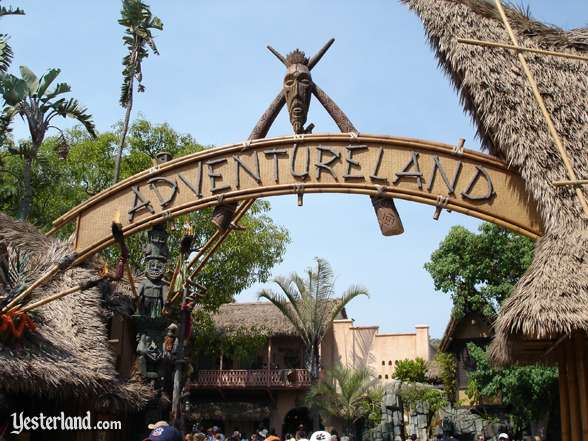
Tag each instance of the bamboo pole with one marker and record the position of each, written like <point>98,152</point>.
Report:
<point>131,281</point>
<point>580,349</point>
<point>244,207</point>
<point>551,128</point>
<point>575,428</point>
<point>50,273</point>
<point>564,399</point>
<point>202,250</point>
<point>519,48</point>
<point>565,183</point>
<point>238,215</point>
<point>51,298</point>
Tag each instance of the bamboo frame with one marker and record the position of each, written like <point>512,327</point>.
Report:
<point>475,42</point>
<point>550,126</point>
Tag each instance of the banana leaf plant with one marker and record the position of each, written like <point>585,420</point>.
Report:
<point>32,99</point>
<point>139,22</point>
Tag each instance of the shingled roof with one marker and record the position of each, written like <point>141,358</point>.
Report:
<point>68,357</point>
<point>551,299</point>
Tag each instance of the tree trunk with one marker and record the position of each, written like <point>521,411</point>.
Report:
<point>312,362</point>
<point>24,209</point>
<point>123,135</point>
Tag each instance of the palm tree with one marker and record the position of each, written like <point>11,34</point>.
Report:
<point>5,49</point>
<point>136,17</point>
<point>309,303</point>
<point>347,393</point>
<point>29,97</point>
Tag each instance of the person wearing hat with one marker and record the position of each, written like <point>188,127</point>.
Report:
<point>162,431</point>
<point>503,437</point>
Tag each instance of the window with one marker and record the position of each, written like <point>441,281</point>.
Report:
<point>389,362</point>
<point>386,376</point>
<point>379,377</point>
<point>383,363</point>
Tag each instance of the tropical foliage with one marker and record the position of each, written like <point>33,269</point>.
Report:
<point>32,99</point>
<point>447,373</point>
<point>479,270</point>
<point>5,49</point>
<point>350,394</point>
<point>61,182</point>
<point>412,371</point>
<point>139,22</point>
<point>529,391</point>
<point>236,344</point>
<point>309,302</point>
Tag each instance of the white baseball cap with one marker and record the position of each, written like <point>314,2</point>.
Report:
<point>503,436</point>
<point>321,436</point>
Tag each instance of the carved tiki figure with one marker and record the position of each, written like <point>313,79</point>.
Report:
<point>153,290</point>
<point>297,89</point>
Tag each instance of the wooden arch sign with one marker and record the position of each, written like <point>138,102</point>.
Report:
<point>427,172</point>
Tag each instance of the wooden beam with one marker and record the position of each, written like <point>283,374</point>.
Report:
<point>564,399</point>
<point>519,48</point>
<point>550,126</point>
<point>575,428</point>
<point>580,349</point>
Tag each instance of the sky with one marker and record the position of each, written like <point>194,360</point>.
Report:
<point>214,78</point>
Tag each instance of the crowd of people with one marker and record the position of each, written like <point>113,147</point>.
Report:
<point>162,431</point>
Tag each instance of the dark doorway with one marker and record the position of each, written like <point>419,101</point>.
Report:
<point>294,419</point>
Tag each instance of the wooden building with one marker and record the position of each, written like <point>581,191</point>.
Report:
<point>473,328</point>
<point>269,388</point>
<point>529,106</point>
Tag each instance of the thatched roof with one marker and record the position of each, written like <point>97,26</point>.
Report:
<point>552,297</point>
<point>232,316</point>
<point>68,357</point>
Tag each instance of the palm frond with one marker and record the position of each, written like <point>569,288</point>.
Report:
<point>9,10</point>
<point>5,53</point>
<point>136,17</point>
<point>289,313</point>
<point>351,293</point>
<point>72,109</point>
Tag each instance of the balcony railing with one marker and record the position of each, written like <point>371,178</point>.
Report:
<point>253,379</point>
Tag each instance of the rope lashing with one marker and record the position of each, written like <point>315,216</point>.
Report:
<point>442,202</point>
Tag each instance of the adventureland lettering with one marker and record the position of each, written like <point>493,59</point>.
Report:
<point>298,164</point>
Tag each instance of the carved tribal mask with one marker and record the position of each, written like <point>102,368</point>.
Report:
<point>297,89</point>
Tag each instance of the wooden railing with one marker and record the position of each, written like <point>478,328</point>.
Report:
<point>262,378</point>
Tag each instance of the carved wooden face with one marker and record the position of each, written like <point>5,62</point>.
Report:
<point>297,90</point>
<point>154,269</point>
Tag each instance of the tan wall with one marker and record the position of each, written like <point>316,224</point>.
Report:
<point>366,347</point>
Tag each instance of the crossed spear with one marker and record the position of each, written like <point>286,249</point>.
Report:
<point>265,122</point>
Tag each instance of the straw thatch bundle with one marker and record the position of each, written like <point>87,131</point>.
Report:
<point>262,315</point>
<point>68,357</point>
<point>551,299</point>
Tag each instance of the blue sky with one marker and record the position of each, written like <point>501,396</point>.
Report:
<point>214,78</point>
